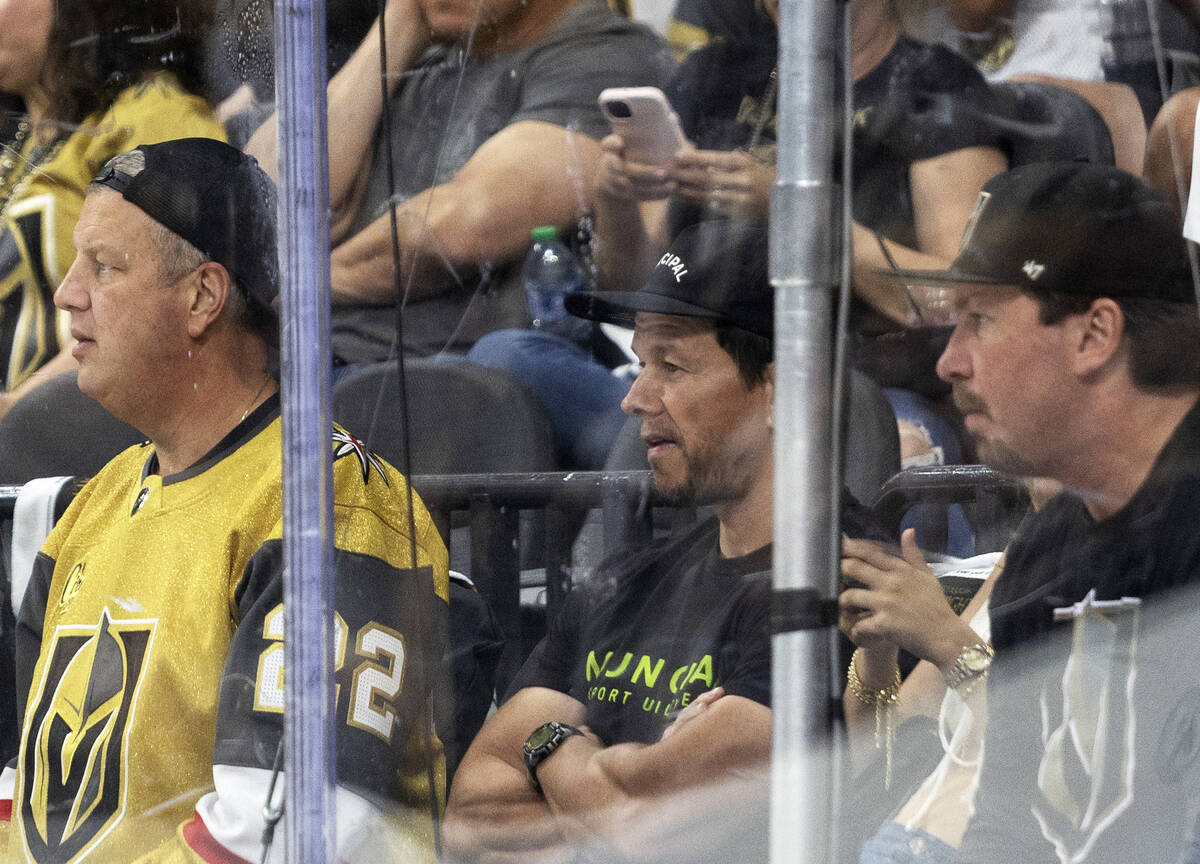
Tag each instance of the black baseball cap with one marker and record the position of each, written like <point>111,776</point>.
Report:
<point>715,269</point>
<point>212,195</point>
<point>1069,227</point>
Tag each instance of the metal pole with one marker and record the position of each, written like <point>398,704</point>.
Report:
<point>804,236</point>
<point>307,468</point>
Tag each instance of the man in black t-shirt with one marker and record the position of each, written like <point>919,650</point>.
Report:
<point>649,636</point>
<point>1075,357</point>
<point>663,656</point>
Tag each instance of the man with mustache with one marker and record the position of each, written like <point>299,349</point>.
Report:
<point>1076,357</point>
<point>680,627</point>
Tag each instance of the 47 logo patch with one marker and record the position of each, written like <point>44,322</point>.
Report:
<point>73,756</point>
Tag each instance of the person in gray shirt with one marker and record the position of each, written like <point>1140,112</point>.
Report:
<point>494,130</point>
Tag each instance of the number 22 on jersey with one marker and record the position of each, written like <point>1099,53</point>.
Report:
<point>376,683</point>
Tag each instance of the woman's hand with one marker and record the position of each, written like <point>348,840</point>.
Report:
<point>896,601</point>
<point>733,183</point>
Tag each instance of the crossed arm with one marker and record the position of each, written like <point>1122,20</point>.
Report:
<point>631,799</point>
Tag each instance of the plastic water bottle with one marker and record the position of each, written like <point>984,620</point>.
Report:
<point>551,273</point>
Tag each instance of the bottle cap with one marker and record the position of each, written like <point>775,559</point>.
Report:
<point>544,232</point>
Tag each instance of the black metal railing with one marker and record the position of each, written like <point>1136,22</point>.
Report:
<point>510,531</point>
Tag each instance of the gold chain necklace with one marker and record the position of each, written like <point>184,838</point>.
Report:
<point>17,168</point>
<point>12,153</point>
<point>257,393</point>
<point>766,110</point>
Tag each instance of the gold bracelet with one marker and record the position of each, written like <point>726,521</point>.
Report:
<point>884,700</point>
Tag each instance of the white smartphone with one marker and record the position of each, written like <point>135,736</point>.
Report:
<point>644,119</point>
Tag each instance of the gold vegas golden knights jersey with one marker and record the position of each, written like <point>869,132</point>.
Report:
<point>155,674</point>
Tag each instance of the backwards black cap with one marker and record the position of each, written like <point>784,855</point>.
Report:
<point>212,195</point>
<point>716,269</point>
<point>1074,228</point>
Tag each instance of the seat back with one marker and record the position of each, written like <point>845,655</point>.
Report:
<point>872,438</point>
<point>996,503</point>
<point>462,418</point>
<point>55,430</point>
<point>1116,106</point>
<point>1042,121</point>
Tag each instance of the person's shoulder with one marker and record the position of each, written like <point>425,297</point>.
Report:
<point>155,109</point>
<point>596,16</point>
<point>158,108</point>
<point>1043,529</point>
<point>591,24</point>
<point>724,65</point>
<point>109,490</point>
<point>121,470</point>
<point>371,511</point>
<point>639,566</point>
<point>700,539</point>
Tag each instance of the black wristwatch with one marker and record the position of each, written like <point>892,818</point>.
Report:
<point>543,741</point>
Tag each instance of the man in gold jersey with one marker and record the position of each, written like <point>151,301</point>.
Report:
<point>150,643</point>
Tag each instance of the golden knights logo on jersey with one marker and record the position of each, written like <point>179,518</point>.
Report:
<point>73,758</point>
<point>1086,771</point>
<point>28,319</point>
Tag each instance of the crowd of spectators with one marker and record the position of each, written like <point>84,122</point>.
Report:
<point>1020,296</point>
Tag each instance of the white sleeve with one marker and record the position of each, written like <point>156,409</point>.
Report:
<point>232,816</point>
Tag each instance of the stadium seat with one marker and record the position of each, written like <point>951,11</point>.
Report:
<point>56,430</point>
<point>1117,106</point>
<point>462,418</point>
<point>1043,121</point>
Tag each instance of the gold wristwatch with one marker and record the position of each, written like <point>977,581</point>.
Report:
<point>972,663</point>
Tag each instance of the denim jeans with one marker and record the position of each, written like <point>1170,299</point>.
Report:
<point>582,398</point>
<point>895,844</point>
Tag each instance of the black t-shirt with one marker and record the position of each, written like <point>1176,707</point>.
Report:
<point>651,631</point>
<point>718,91</point>
<point>723,93</point>
<point>921,101</point>
<point>1150,545</point>
<point>1090,751</point>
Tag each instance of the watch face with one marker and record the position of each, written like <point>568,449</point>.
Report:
<point>977,661</point>
<point>540,737</point>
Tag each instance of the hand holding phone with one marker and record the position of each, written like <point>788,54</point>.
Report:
<point>644,120</point>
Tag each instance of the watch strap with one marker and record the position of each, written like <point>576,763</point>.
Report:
<point>543,741</point>
<point>971,664</point>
